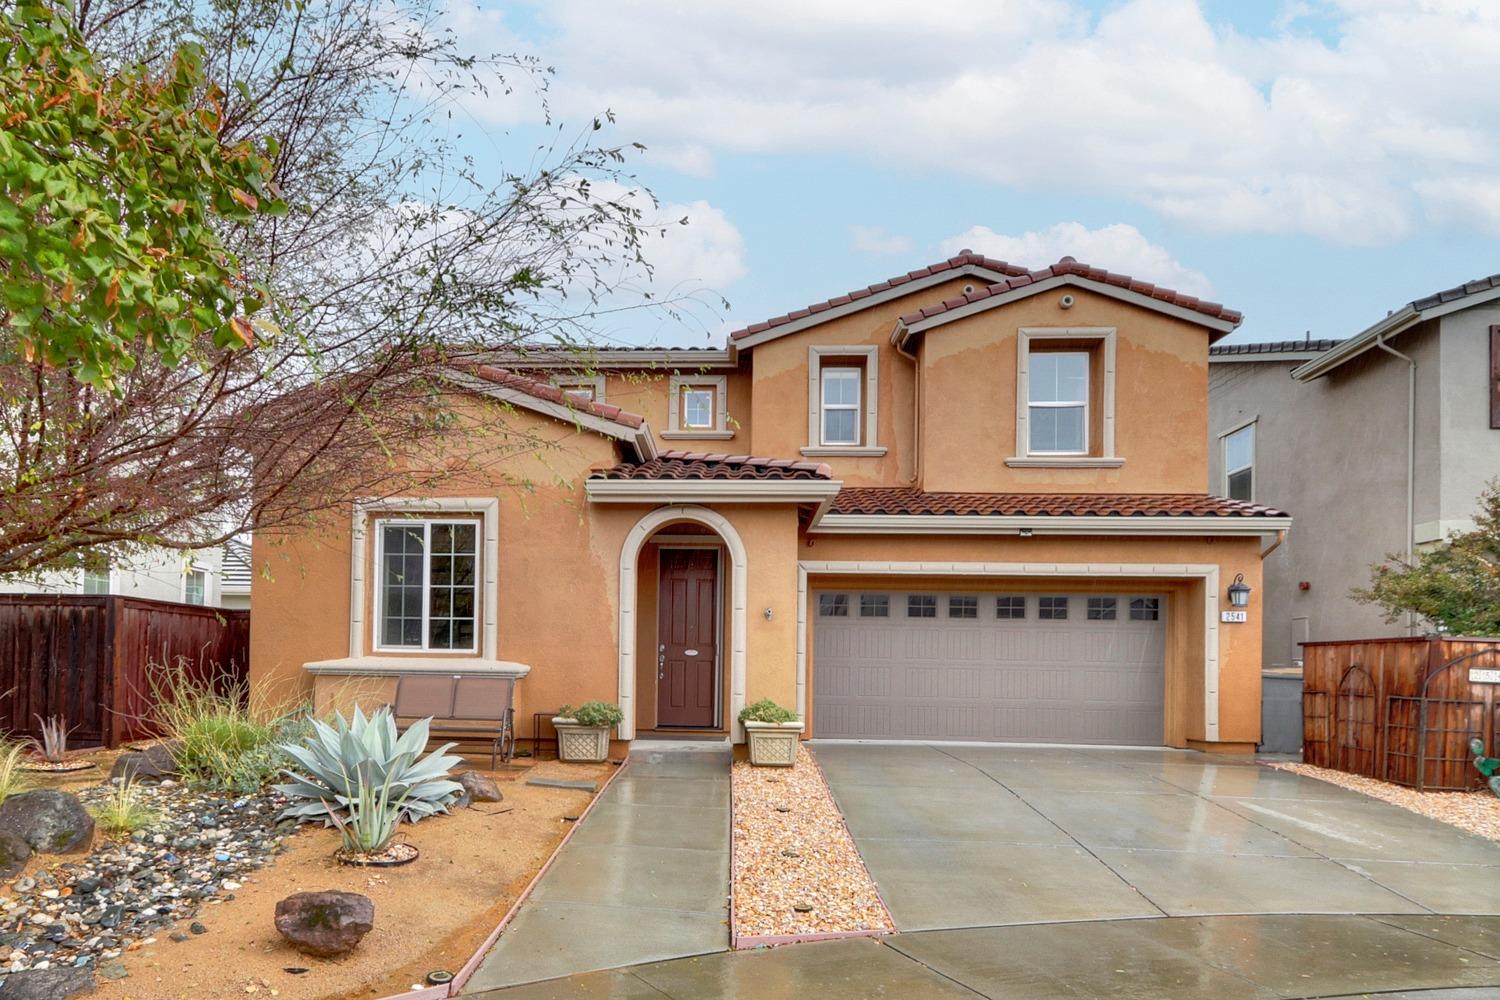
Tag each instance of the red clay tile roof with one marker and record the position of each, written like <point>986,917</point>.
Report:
<point>552,394</point>
<point>902,500</point>
<point>701,465</point>
<point>964,257</point>
<point>1070,266</point>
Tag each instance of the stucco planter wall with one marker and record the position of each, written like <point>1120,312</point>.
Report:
<point>773,744</point>
<point>581,744</point>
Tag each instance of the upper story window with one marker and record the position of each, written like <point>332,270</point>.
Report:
<point>698,407</point>
<point>1065,398</point>
<point>1239,463</point>
<point>842,400</point>
<point>1058,403</point>
<point>589,388</point>
<point>195,586</point>
<point>841,405</point>
<point>427,573</point>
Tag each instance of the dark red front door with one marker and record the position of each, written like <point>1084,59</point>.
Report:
<point>688,638</point>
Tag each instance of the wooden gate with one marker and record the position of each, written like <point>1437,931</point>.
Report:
<point>1354,723</point>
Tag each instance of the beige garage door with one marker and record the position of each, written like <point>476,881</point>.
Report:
<point>1055,668</point>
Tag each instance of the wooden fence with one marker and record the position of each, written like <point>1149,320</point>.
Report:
<point>86,659</point>
<point>1402,710</point>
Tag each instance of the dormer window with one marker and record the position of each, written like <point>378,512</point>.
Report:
<point>841,405</point>
<point>1059,403</point>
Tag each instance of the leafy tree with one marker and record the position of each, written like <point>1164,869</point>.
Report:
<point>111,188</point>
<point>396,254</point>
<point>1455,586</point>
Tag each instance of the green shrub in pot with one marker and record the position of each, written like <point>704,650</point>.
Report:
<point>583,732</point>
<point>772,732</point>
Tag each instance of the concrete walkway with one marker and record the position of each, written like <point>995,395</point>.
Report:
<point>645,878</point>
<point>1167,958</point>
<point>985,836</point>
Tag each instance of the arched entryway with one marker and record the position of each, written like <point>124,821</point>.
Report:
<point>630,622</point>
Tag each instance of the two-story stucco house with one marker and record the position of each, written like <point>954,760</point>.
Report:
<point>967,503</point>
<point>1381,443</point>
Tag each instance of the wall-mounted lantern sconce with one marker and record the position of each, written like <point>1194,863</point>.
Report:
<point>1239,592</point>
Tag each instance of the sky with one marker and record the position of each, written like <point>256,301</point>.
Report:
<point>1311,163</point>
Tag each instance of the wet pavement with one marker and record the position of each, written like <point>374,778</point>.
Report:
<point>646,877</point>
<point>1017,872</point>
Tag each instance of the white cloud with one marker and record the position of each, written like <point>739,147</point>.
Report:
<point>707,251</point>
<point>1119,248</point>
<point>874,239</point>
<point>1346,140</point>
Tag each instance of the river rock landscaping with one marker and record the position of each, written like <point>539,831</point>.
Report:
<point>88,912</point>
<point>797,872</point>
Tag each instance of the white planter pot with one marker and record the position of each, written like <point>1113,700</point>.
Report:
<point>773,744</point>
<point>581,744</point>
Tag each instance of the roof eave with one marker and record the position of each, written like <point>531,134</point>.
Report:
<point>658,491</point>
<point>640,438</point>
<point>873,299</point>
<point>1050,524</point>
<point>1220,326</point>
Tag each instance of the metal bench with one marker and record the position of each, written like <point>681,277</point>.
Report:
<point>462,707</point>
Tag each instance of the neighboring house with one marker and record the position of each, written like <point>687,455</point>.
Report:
<point>1380,443</point>
<point>156,574</point>
<point>968,503</point>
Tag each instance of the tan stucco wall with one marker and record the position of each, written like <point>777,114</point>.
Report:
<point>969,400</point>
<point>558,572</point>
<point>780,403</point>
<point>647,392</point>
<point>1239,644</point>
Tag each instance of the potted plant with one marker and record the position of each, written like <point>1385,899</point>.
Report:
<point>583,732</point>
<point>773,732</point>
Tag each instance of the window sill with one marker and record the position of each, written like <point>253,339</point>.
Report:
<point>1063,462</point>
<point>378,665</point>
<point>698,435</point>
<point>848,451</point>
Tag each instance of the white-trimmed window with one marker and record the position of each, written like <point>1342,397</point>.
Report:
<point>194,586</point>
<point>698,407</point>
<point>840,405</point>
<point>96,581</point>
<point>1058,403</point>
<point>589,388</point>
<point>1239,463</point>
<point>427,585</point>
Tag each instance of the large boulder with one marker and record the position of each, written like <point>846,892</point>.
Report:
<point>478,788</point>
<point>49,820</point>
<point>151,764</point>
<point>325,924</point>
<point>48,984</point>
<point>14,853</point>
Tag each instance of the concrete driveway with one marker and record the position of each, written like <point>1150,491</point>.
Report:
<point>960,837</point>
<point>1040,872</point>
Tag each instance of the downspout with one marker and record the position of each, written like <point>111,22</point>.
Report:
<point>1411,456</point>
<point>1280,537</point>
<point>898,341</point>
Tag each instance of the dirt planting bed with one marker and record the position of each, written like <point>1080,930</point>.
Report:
<point>1477,812</point>
<point>796,870</point>
<point>429,915</point>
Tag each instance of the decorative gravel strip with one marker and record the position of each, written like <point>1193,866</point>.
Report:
<point>87,911</point>
<point>797,873</point>
<point>1477,811</point>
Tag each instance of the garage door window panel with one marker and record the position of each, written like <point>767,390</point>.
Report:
<point>1052,608</point>
<point>1102,609</point>
<point>833,605</point>
<point>874,605</point>
<point>1145,609</point>
<point>921,606</point>
<point>1010,608</point>
<point>963,607</point>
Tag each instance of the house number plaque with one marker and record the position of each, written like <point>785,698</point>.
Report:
<point>1484,675</point>
<point>1234,616</point>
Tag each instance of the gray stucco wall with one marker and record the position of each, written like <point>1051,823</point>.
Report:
<point>1332,453</point>
<point>1470,450</point>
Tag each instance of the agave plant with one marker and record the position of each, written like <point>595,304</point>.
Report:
<point>342,764</point>
<point>53,746</point>
<point>373,818</point>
